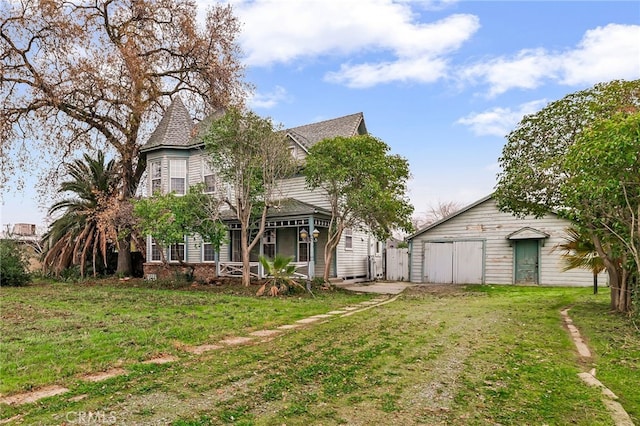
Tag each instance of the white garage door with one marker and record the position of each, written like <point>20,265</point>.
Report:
<point>439,257</point>
<point>453,262</point>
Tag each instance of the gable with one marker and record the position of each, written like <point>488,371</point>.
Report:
<point>483,219</point>
<point>527,233</point>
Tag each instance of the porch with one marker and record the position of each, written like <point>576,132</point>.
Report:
<point>293,229</point>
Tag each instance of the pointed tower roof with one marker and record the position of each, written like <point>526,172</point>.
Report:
<point>174,130</point>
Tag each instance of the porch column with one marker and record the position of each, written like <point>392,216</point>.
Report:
<point>312,249</point>
<point>260,253</point>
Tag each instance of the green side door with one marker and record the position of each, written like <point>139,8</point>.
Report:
<point>526,268</point>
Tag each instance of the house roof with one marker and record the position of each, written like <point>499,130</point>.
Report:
<point>177,129</point>
<point>284,208</point>
<point>310,134</point>
<point>459,212</point>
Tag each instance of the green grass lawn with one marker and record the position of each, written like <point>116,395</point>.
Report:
<point>53,332</point>
<point>485,355</point>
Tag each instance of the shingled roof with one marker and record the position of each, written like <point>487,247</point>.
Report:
<point>310,134</point>
<point>178,130</point>
<point>175,128</point>
<point>284,208</point>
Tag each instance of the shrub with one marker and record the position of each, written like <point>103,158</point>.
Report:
<point>13,264</point>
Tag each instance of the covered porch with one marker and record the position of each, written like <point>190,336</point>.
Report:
<point>294,229</point>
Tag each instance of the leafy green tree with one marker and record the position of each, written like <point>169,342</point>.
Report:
<point>250,157</point>
<point>532,169</point>
<point>365,185</point>
<point>542,169</point>
<point>169,218</point>
<point>13,264</point>
<point>603,191</point>
<point>86,228</point>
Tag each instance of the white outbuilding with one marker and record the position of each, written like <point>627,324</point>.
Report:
<point>479,244</point>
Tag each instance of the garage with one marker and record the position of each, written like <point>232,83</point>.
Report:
<point>453,262</point>
<point>482,244</point>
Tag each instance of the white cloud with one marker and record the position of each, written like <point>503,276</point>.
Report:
<point>386,41</point>
<point>269,99</point>
<point>499,121</point>
<point>526,70</point>
<point>604,54</point>
<point>286,31</point>
<point>421,70</point>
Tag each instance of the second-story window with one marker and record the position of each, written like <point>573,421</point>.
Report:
<point>178,173</point>
<point>156,176</point>
<point>208,178</point>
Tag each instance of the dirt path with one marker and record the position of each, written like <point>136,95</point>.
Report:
<point>610,400</point>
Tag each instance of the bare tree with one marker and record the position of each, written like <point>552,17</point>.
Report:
<point>81,75</point>
<point>435,213</point>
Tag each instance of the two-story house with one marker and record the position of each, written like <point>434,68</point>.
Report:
<point>176,159</point>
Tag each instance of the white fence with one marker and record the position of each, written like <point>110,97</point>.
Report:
<point>397,264</point>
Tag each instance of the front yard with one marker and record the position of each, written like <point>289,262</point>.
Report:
<point>476,355</point>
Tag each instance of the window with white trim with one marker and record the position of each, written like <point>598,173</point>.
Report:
<point>178,175</point>
<point>176,252</point>
<point>303,247</point>
<point>208,178</point>
<point>348,239</point>
<point>208,253</point>
<point>156,176</point>
<point>269,243</point>
<point>156,256</point>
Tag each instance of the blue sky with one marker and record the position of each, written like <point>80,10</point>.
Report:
<point>441,83</point>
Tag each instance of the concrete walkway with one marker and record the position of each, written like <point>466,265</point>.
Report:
<point>380,287</point>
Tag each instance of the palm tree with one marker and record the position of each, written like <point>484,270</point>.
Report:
<point>280,273</point>
<point>580,252</point>
<point>83,230</point>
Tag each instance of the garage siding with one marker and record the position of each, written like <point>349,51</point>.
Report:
<point>483,221</point>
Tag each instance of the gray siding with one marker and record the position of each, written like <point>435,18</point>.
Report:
<point>485,222</point>
<point>295,187</point>
<point>349,263</point>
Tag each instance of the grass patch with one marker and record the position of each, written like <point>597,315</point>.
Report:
<point>486,355</point>
<point>53,332</point>
<point>616,348</point>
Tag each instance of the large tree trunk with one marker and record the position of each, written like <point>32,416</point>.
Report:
<point>130,181</point>
<point>616,275</point>
<point>328,257</point>
<point>246,250</point>
<point>124,256</point>
<point>329,249</point>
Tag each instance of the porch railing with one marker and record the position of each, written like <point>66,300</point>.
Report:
<point>234,269</point>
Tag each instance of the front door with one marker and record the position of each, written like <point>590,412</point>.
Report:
<point>526,270</point>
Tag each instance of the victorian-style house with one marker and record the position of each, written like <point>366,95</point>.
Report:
<point>296,225</point>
